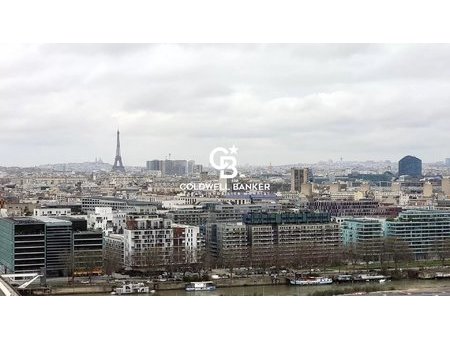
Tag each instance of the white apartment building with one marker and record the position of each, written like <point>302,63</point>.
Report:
<point>148,243</point>
<point>187,243</point>
<point>106,219</point>
<point>50,212</point>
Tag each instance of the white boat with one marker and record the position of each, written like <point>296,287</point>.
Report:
<point>369,278</point>
<point>200,286</point>
<point>311,281</point>
<point>132,288</point>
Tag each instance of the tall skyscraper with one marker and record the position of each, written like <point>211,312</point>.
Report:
<point>172,167</point>
<point>411,166</point>
<point>299,176</point>
<point>154,165</point>
<point>118,165</point>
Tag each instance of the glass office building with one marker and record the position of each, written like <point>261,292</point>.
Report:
<point>411,166</point>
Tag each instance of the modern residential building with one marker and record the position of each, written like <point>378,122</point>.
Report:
<point>274,218</point>
<point>309,243</point>
<point>365,235</point>
<point>362,207</point>
<point>410,166</point>
<point>107,220</point>
<point>421,229</point>
<point>227,243</point>
<point>188,214</point>
<point>148,243</point>
<point>187,244</point>
<point>262,240</point>
<point>292,236</point>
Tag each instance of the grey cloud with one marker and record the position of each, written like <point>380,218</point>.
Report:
<point>280,103</point>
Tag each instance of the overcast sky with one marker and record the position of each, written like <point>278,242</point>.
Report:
<point>278,104</point>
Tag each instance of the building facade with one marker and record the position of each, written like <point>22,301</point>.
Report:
<point>58,246</point>
<point>227,243</point>
<point>22,245</point>
<point>52,212</point>
<point>148,243</point>
<point>410,166</point>
<point>364,236</point>
<point>299,176</point>
<point>421,229</point>
<point>187,244</point>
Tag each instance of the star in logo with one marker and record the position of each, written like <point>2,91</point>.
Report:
<point>233,149</point>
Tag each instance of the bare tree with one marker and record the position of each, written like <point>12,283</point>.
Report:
<point>152,259</point>
<point>112,262</point>
<point>88,263</point>
<point>441,250</point>
<point>369,250</point>
<point>397,250</point>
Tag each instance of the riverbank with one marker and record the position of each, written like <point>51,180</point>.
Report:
<point>84,289</point>
<point>390,288</point>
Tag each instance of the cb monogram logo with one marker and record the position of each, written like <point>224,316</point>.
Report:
<point>226,161</point>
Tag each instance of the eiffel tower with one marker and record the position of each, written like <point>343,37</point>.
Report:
<point>118,165</point>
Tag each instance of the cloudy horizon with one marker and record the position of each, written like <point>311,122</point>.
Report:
<point>279,104</point>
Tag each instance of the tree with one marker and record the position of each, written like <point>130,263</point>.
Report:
<point>88,263</point>
<point>397,250</point>
<point>112,262</point>
<point>152,259</point>
<point>441,249</point>
<point>369,250</point>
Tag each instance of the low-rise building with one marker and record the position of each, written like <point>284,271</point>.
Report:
<point>52,212</point>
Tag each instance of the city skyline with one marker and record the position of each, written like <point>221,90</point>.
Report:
<point>279,104</point>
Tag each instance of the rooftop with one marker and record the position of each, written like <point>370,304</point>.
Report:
<point>21,220</point>
<point>49,220</point>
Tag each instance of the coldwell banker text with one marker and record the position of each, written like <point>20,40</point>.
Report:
<point>227,170</point>
<point>219,186</point>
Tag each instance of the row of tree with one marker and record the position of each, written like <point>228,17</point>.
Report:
<point>300,256</point>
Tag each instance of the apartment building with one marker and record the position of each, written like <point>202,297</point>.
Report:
<point>421,229</point>
<point>148,243</point>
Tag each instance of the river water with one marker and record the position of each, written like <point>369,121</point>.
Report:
<point>403,287</point>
